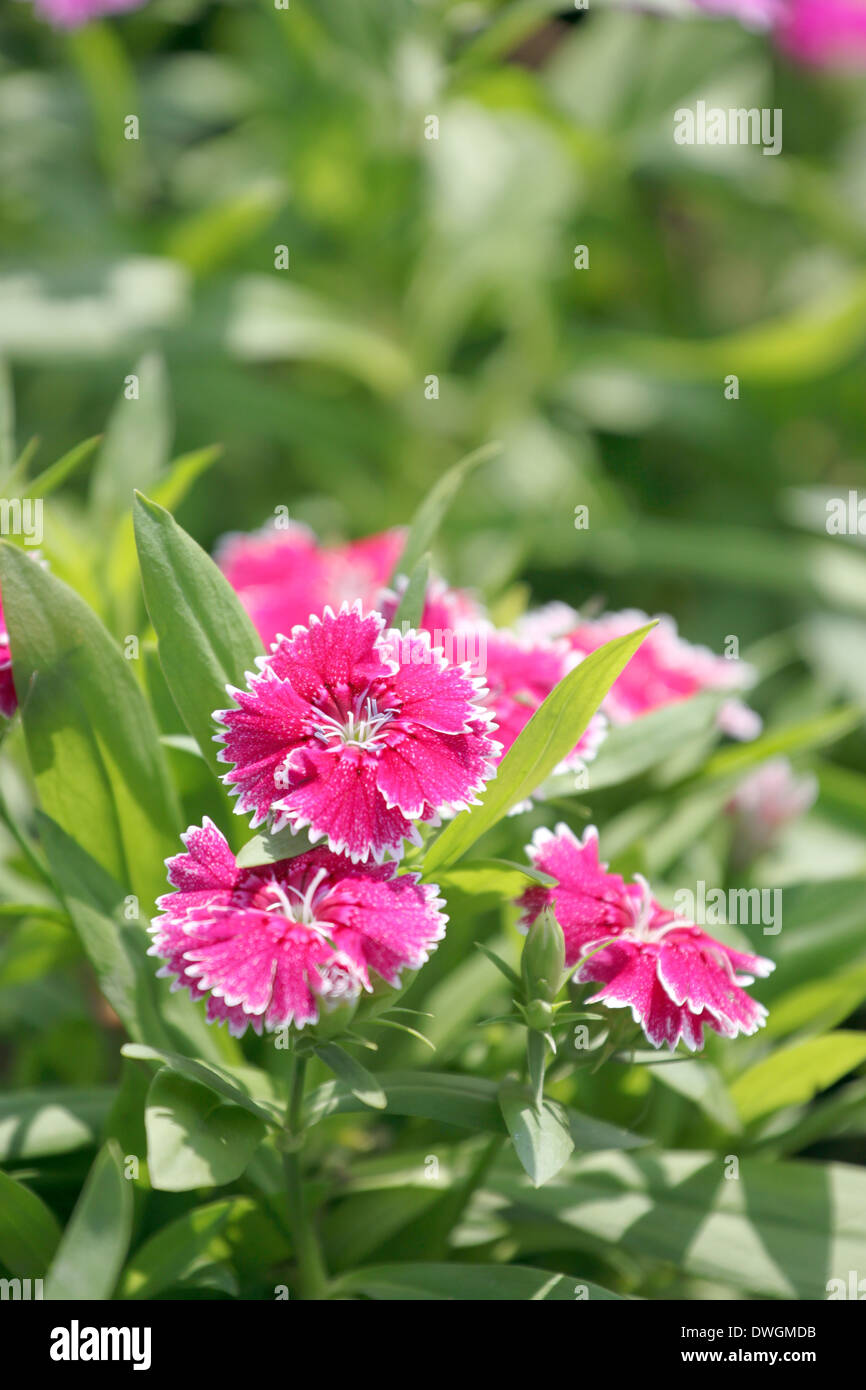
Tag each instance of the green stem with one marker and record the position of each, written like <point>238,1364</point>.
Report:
<point>312,1277</point>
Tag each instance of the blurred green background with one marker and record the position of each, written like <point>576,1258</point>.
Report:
<point>411,257</point>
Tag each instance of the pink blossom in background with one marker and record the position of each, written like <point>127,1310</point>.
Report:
<point>673,976</point>
<point>271,945</point>
<point>283,577</point>
<point>520,674</point>
<point>764,803</point>
<point>353,732</point>
<point>69,14</point>
<point>818,32</point>
<point>664,669</point>
<point>8,697</point>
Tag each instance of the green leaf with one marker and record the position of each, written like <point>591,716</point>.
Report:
<point>117,950</point>
<point>7,422</point>
<point>630,750</point>
<point>181,1249</point>
<point>818,1004</point>
<point>475,1283</point>
<point>93,1246</point>
<point>54,476</point>
<point>51,1120</point>
<point>493,878</point>
<point>779,1229</point>
<point>411,609</point>
<point>137,441</point>
<point>91,739</point>
<point>701,1083</point>
<point>793,738</point>
<point>428,518</point>
<point>28,1230</point>
<point>551,733</point>
<point>247,1087</point>
<point>206,641</point>
<point>269,849</point>
<point>194,1139</point>
<point>793,1075</point>
<point>540,1133</point>
<point>469,1102</point>
<point>168,491</point>
<point>362,1084</point>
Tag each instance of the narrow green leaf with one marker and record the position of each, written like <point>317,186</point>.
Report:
<point>93,1246</point>
<point>794,738</point>
<point>363,1085</point>
<point>51,1120</point>
<point>540,1133</point>
<point>795,1074</point>
<point>206,641</point>
<point>29,1232</point>
<point>7,421</point>
<point>247,1087</point>
<point>411,609</point>
<point>194,1139</point>
<point>91,739</point>
<point>551,733</point>
<point>54,476</point>
<point>180,1249</point>
<point>137,441</point>
<point>428,518</point>
<point>781,1229</point>
<point>117,949</point>
<point>269,849</point>
<point>475,1283</point>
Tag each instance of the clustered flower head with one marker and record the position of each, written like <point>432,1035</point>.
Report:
<point>673,976</point>
<point>354,731</point>
<point>272,946</point>
<point>816,32</point>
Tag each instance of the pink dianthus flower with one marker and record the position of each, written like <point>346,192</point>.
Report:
<point>673,976</point>
<point>270,946</point>
<point>353,732</point>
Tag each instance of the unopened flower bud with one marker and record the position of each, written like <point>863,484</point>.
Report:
<point>543,962</point>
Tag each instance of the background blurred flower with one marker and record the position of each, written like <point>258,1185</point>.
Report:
<point>68,14</point>
<point>285,576</point>
<point>764,803</point>
<point>821,32</point>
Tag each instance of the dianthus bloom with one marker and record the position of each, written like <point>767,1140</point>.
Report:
<point>667,970</point>
<point>818,32</point>
<point>663,670</point>
<point>764,803</point>
<point>284,576</point>
<point>69,14</point>
<point>271,945</point>
<point>354,732</point>
<point>8,696</point>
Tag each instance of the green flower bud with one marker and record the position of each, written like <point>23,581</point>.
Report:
<point>543,961</point>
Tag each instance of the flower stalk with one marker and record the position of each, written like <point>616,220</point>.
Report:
<point>312,1276</point>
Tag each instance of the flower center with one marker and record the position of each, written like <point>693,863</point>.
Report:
<point>360,727</point>
<point>303,909</point>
